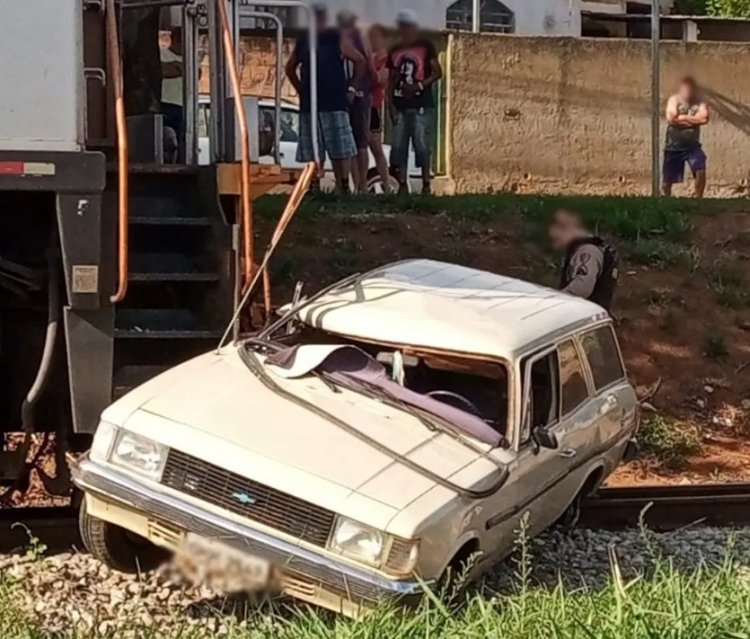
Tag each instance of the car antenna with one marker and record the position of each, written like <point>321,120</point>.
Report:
<point>291,208</point>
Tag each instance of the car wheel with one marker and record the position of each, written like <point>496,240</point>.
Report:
<point>375,184</point>
<point>569,519</point>
<point>116,547</point>
<point>454,582</point>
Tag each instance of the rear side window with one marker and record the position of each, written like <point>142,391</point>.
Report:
<point>600,346</point>
<point>572,380</point>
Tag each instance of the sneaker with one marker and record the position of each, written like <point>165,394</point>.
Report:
<point>426,189</point>
<point>403,189</point>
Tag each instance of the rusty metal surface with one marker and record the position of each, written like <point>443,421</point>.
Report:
<point>668,507</point>
<point>660,508</point>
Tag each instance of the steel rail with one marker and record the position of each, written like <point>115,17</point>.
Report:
<point>56,527</point>
<point>668,507</point>
<point>660,508</point>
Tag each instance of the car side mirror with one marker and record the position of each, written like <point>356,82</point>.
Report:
<point>545,439</point>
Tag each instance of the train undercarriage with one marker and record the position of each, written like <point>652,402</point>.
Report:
<point>114,264</point>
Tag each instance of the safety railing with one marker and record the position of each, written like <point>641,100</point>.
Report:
<point>115,71</point>
<point>246,205</point>
<point>292,205</point>
<point>279,77</point>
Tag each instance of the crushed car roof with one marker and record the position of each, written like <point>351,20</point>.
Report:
<point>443,306</point>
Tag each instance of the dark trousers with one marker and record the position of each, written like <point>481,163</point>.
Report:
<point>173,117</point>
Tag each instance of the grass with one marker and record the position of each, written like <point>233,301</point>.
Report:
<point>715,347</point>
<point>667,442</point>
<point>665,603</point>
<point>728,286</point>
<point>635,219</point>
<point>657,252</point>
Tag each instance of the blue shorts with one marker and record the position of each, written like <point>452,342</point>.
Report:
<point>334,137</point>
<point>675,160</point>
<point>412,125</point>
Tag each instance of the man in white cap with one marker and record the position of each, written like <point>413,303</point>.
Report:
<point>414,68</point>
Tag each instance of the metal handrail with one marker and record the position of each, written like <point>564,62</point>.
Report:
<point>295,199</point>
<point>279,72</point>
<point>246,205</point>
<point>115,63</point>
<point>312,37</point>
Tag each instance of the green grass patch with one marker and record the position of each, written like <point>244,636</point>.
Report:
<point>728,286</point>
<point>715,347</point>
<point>706,603</point>
<point>656,252</point>
<point>629,218</point>
<point>670,443</point>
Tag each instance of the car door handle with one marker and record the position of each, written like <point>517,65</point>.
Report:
<point>568,453</point>
<point>610,403</point>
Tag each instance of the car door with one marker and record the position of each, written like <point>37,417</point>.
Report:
<point>614,398</point>
<point>559,420</point>
<point>578,433</point>
<point>533,483</point>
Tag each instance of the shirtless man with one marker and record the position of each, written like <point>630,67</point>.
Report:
<point>686,114</point>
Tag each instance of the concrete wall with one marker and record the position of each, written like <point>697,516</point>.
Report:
<point>573,115</point>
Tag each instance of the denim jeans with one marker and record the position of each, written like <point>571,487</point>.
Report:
<point>412,125</point>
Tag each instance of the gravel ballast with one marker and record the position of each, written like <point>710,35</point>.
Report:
<point>73,590</point>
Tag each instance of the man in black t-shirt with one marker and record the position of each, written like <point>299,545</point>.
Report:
<point>414,68</point>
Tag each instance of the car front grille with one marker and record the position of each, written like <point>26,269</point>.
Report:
<point>248,498</point>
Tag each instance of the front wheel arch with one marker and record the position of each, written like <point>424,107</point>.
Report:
<point>572,512</point>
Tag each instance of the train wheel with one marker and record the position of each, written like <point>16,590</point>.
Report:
<point>116,547</point>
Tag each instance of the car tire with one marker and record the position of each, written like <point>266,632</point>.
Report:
<point>457,577</point>
<point>569,519</point>
<point>375,184</point>
<point>116,547</point>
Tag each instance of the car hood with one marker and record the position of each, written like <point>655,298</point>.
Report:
<point>215,408</point>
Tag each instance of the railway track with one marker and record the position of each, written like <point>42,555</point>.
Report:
<point>668,507</point>
<point>658,507</point>
<point>54,527</point>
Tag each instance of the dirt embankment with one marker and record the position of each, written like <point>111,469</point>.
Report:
<point>683,312</point>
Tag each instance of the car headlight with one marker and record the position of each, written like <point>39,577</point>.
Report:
<point>139,454</point>
<point>374,547</point>
<point>104,440</point>
<point>359,542</point>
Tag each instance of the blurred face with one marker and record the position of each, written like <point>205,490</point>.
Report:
<point>347,24</point>
<point>407,31</point>
<point>687,91</point>
<point>563,230</point>
<point>377,39</point>
<point>321,20</point>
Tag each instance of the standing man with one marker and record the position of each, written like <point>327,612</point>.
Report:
<point>686,114</point>
<point>590,269</point>
<point>359,109</point>
<point>171,86</point>
<point>335,95</point>
<point>414,68</point>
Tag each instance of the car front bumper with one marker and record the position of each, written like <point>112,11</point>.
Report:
<point>350,582</point>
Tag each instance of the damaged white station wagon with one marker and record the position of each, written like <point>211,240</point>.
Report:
<point>378,434</point>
